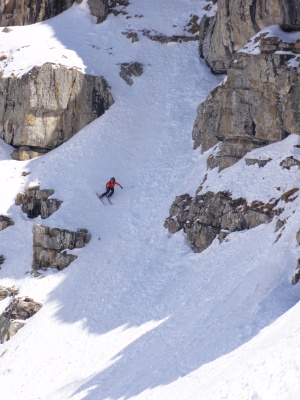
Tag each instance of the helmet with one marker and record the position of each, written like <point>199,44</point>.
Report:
<point>112,179</point>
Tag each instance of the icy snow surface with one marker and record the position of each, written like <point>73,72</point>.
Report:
<point>138,315</point>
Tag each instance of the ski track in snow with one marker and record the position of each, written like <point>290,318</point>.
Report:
<point>138,315</point>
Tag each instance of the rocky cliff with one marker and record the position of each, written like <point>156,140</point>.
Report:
<point>49,246</point>
<point>257,104</point>
<point>25,12</point>
<point>48,105</point>
<point>236,21</point>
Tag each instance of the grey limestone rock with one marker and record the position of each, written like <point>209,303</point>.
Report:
<point>212,215</point>
<point>20,309</point>
<point>48,105</point>
<point>5,222</point>
<point>8,292</point>
<point>131,69</point>
<point>99,8</point>
<point>49,245</point>
<point>290,162</point>
<point>259,162</point>
<point>35,202</point>
<point>25,12</point>
<point>236,21</point>
<point>256,105</point>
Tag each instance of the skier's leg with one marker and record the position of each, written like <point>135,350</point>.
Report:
<point>105,193</point>
<point>112,192</point>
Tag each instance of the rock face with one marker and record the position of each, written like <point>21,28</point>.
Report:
<point>5,222</point>
<point>48,105</point>
<point>35,202</point>
<point>48,246</point>
<point>212,215</point>
<point>99,8</point>
<point>12,319</point>
<point>236,21</point>
<point>268,81</point>
<point>25,12</point>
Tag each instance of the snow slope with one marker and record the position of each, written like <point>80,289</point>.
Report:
<point>138,315</point>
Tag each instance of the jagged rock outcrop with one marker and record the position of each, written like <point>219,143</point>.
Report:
<point>11,320</point>
<point>131,69</point>
<point>5,222</point>
<point>132,35</point>
<point>26,12</point>
<point>163,39</point>
<point>212,215</point>
<point>290,162</point>
<point>8,292</point>
<point>35,202</point>
<point>48,105</point>
<point>48,246</point>
<point>99,8</point>
<point>257,104</point>
<point>236,21</point>
<point>260,163</point>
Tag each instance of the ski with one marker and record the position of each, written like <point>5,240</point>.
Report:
<point>103,201</point>
<point>100,199</point>
<point>109,200</point>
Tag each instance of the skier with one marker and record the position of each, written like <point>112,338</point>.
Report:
<point>110,187</point>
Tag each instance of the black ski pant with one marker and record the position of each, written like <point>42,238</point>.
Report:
<point>109,192</point>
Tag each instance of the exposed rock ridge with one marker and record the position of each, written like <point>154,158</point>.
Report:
<point>211,215</point>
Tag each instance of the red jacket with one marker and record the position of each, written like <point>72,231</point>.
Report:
<point>112,184</point>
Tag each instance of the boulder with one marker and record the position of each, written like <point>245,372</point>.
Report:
<point>48,246</point>
<point>290,162</point>
<point>131,69</point>
<point>99,8</point>
<point>35,202</point>
<point>5,222</point>
<point>20,309</point>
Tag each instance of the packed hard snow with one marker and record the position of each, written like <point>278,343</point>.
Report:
<point>138,315</point>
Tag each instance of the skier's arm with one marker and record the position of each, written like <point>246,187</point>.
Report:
<point>119,185</point>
